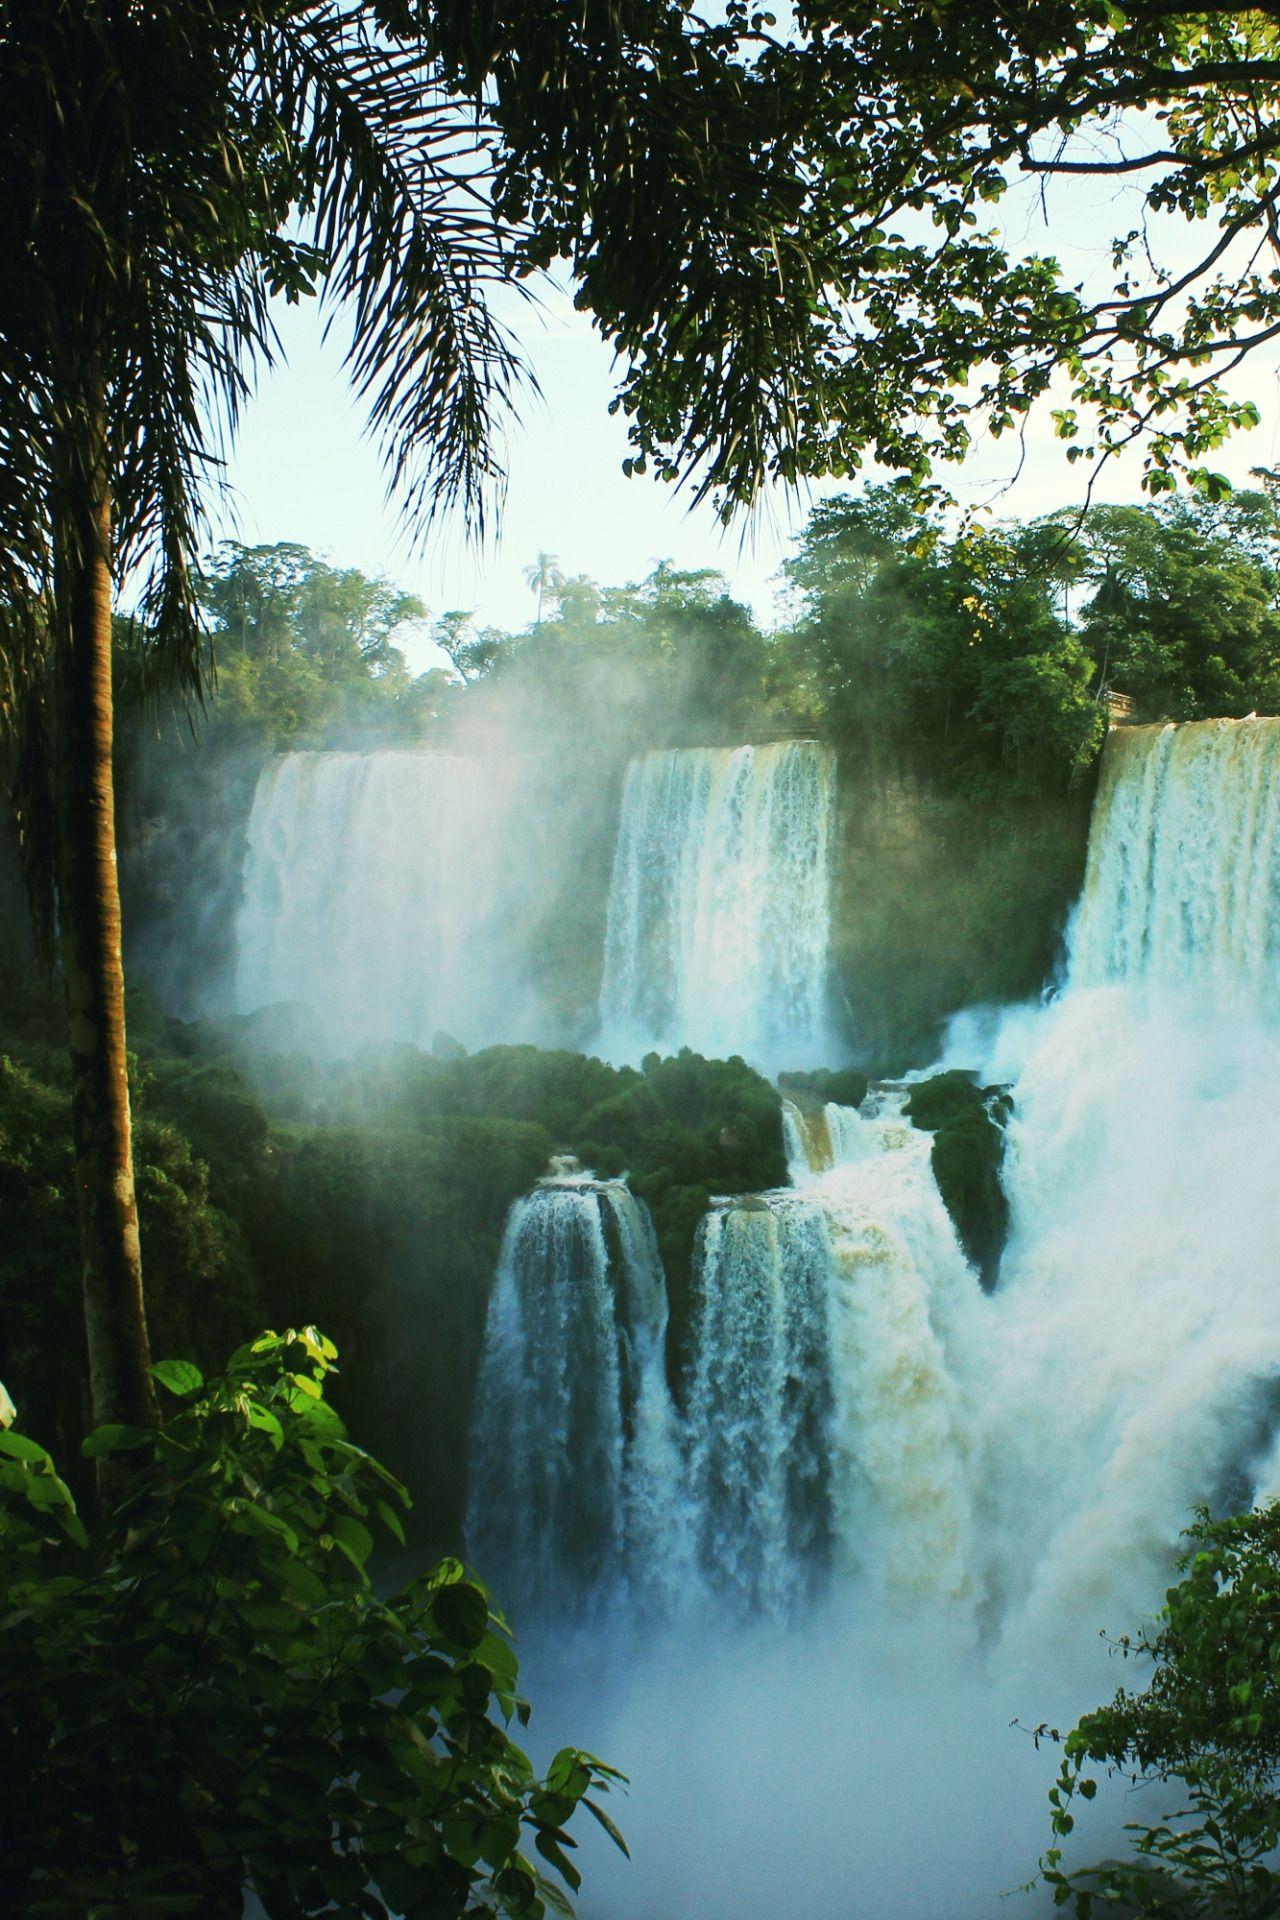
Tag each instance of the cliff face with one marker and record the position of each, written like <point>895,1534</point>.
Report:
<point>941,903</point>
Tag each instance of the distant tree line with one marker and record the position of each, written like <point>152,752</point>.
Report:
<point>980,659</point>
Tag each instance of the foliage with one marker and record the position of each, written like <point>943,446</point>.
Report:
<point>682,1117</point>
<point>967,1123</point>
<point>209,1696</point>
<point>307,653</point>
<point>945,657</point>
<point>926,136</point>
<point>681,1128</point>
<point>1184,610</point>
<point>670,660</point>
<point>202,1291</point>
<point>407,160</point>
<point>841,1087</point>
<point>394,1231</point>
<point>1207,1724</point>
<point>942,902</point>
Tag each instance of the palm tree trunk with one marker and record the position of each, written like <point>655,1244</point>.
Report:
<point>90,937</point>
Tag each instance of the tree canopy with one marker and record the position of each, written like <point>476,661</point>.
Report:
<point>931,320</point>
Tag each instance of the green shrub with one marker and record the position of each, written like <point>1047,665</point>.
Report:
<point>391,1235</point>
<point>410,1191</point>
<point>208,1697</point>
<point>1208,1720</point>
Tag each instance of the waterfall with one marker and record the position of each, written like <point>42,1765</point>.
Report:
<point>965,1491</point>
<point>719,904</point>
<point>574,1468</point>
<point>827,1432</point>
<point>1183,880</point>
<point>1135,1338</point>
<point>371,884</point>
<point>858,1416</point>
<point>906,1311</point>
<point>759,1401</point>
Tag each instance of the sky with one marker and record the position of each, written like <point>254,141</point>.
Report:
<point>302,469</point>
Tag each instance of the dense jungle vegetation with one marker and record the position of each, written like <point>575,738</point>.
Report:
<point>974,659</point>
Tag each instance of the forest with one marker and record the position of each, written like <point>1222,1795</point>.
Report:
<point>726,1166</point>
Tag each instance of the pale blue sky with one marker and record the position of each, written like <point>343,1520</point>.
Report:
<point>302,470</point>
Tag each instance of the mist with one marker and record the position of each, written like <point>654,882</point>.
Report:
<point>850,1766</point>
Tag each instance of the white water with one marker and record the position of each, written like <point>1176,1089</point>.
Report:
<point>758,1476</point>
<point>574,1469</point>
<point>1183,886</point>
<point>1006,1476</point>
<point>719,905</point>
<point>373,888</point>
<point>905,1310</point>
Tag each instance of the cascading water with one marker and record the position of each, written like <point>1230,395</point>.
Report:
<point>822,1429</point>
<point>573,1461</point>
<point>965,1489</point>
<point>827,1436</point>
<point>759,1401</point>
<point>905,1312</point>
<point>1136,1337</point>
<point>370,890</point>
<point>719,904</point>
<point>1183,882</point>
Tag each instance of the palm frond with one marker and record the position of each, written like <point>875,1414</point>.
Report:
<point>393,187</point>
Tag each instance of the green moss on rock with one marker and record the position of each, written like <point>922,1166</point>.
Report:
<point>841,1087</point>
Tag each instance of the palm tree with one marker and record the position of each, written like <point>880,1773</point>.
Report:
<point>544,577</point>
<point>171,165</point>
<point>167,168</point>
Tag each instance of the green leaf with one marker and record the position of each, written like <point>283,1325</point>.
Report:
<point>390,1519</point>
<point>598,1813</point>
<point>246,1514</point>
<point>550,1849</point>
<point>554,1896</point>
<point>115,1439</point>
<point>20,1446</point>
<point>266,1422</point>
<point>353,1537</point>
<point>462,1613</point>
<point>179,1376</point>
